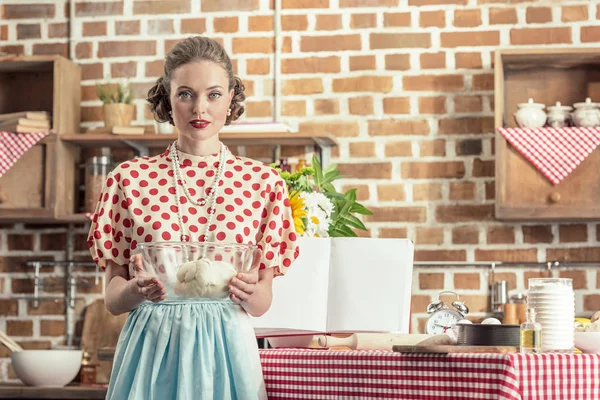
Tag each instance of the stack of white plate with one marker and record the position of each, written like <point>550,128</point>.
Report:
<point>553,300</point>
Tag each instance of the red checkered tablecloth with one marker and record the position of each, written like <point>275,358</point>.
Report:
<point>14,145</point>
<point>322,374</point>
<point>555,152</point>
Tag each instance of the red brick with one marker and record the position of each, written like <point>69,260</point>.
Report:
<point>19,328</point>
<point>362,63</point>
<point>83,50</point>
<point>253,45</point>
<point>464,213</point>
<point>427,191</point>
<point>154,68</point>
<point>397,62</point>
<point>29,11</point>
<point>396,105</point>
<point>124,70</point>
<point>538,15</point>
<point>579,278</point>
<point>51,49</point>
<point>436,2</point>
<point>467,18</point>
<point>161,7</point>
<point>440,255</point>
<point>367,83</point>
<point>462,191</point>
<point>483,168</point>
<point>432,148</point>
<point>526,36</point>
<point>126,28</point>
<point>398,149</point>
<point>52,328</point>
<point>361,105</point>
<point>429,235</point>
<point>573,233</point>
<point>433,169</point>
<point>483,82</point>
<point>9,307</point>
<point>193,25</point>
<point>258,109</point>
<point>126,48</point>
<point>328,22</point>
<point>368,3</point>
<point>361,149</point>
<point>391,192</point>
<point>468,104</point>
<point>21,286</point>
<point>225,24</point>
<point>461,39</point>
<point>469,147</point>
<point>58,30</point>
<point>97,9</point>
<point>361,21</point>
<point>438,83</point>
<point>160,27</point>
<point>432,105</point>
<point>575,13</point>
<point>330,43</point>
<point>574,254</point>
<point>302,86</point>
<point>591,302</point>
<point>537,234</point>
<point>94,28</point>
<point>303,3</point>
<point>335,127</point>
<point>29,31</point>
<point>13,50</point>
<point>4,32</point>
<point>465,235</point>
<point>590,34</point>
<point>392,233</point>
<point>429,19</point>
<point>310,65</point>
<point>397,214</point>
<point>500,234</point>
<point>503,16</point>
<point>432,280</point>
<point>293,108</point>
<point>508,255</point>
<point>20,241</point>
<point>433,60</point>
<point>399,40</point>
<point>396,19</point>
<point>294,22</point>
<point>258,66</point>
<point>466,125</point>
<point>260,23</point>
<point>366,170</point>
<point>327,106</point>
<point>390,127</point>
<point>467,280</point>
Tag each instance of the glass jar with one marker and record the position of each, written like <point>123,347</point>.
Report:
<point>96,172</point>
<point>88,370</point>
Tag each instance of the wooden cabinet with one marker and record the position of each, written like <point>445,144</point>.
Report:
<point>546,75</point>
<point>40,186</point>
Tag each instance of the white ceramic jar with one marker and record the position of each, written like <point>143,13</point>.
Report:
<point>530,115</point>
<point>586,114</point>
<point>559,115</point>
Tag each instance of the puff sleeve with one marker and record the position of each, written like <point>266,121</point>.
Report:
<point>277,235</point>
<point>110,232</point>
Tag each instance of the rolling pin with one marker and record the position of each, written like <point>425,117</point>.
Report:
<point>372,341</point>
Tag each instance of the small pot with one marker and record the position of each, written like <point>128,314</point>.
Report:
<point>118,114</point>
<point>530,115</point>
<point>559,116</point>
<point>586,114</point>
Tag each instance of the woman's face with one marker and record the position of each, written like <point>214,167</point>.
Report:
<point>200,98</point>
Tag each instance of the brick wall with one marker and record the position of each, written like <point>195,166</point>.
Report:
<point>406,86</point>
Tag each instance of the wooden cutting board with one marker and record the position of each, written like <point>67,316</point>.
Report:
<point>445,349</point>
<point>100,329</point>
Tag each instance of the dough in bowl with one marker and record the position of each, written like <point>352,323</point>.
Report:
<point>204,278</point>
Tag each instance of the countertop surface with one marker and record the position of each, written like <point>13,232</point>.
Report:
<point>74,391</point>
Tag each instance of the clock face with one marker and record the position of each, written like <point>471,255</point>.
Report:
<point>442,321</point>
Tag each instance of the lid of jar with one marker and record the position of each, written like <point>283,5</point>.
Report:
<point>531,104</point>
<point>559,107</point>
<point>102,160</point>
<point>587,104</point>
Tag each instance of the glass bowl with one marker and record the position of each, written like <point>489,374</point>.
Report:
<point>195,270</point>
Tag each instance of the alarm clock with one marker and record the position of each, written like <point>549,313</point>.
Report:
<point>443,318</point>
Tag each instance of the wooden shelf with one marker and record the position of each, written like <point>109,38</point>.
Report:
<point>230,139</point>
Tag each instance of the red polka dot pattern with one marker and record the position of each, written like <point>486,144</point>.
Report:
<point>138,205</point>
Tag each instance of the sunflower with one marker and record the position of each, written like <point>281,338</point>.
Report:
<point>298,212</point>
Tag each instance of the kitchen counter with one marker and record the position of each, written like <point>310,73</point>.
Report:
<point>71,392</point>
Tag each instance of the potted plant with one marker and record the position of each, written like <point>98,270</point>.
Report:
<point>117,108</point>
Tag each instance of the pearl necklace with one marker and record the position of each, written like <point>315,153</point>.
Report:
<point>212,196</point>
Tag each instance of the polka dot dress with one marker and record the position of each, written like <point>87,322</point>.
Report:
<point>138,205</point>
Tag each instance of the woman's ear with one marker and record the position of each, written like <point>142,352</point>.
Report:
<point>230,96</point>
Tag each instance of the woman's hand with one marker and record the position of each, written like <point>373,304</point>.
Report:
<point>143,285</point>
<point>243,285</point>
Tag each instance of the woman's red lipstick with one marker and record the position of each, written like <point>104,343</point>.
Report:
<point>199,123</point>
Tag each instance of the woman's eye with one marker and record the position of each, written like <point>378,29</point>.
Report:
<point>184,95</point>
<point>214,95</point>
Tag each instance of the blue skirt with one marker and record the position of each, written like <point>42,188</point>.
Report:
<point>177,350</point>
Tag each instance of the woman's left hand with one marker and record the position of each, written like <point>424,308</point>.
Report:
<point>243,285</point>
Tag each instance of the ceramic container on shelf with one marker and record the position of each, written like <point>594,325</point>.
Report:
<point>559,116</point>
<point>586,114</point>
<point>530,115</point>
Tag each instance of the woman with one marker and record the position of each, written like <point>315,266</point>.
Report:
<point>195,191</point>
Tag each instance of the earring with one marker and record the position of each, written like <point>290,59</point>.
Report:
<point>171,113</point>
<point>229,112</point>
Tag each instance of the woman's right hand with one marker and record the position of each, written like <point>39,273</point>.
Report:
<point>143,285</point>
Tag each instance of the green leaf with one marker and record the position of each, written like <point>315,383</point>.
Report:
<point>342,231</point>
<point>360,209</point>
<point>318,176</point>
<point>351,195</point>
<point>354,222</point>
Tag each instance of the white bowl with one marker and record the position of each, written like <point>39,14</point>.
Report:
<point>47,368</point>
<point>588,342</point>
